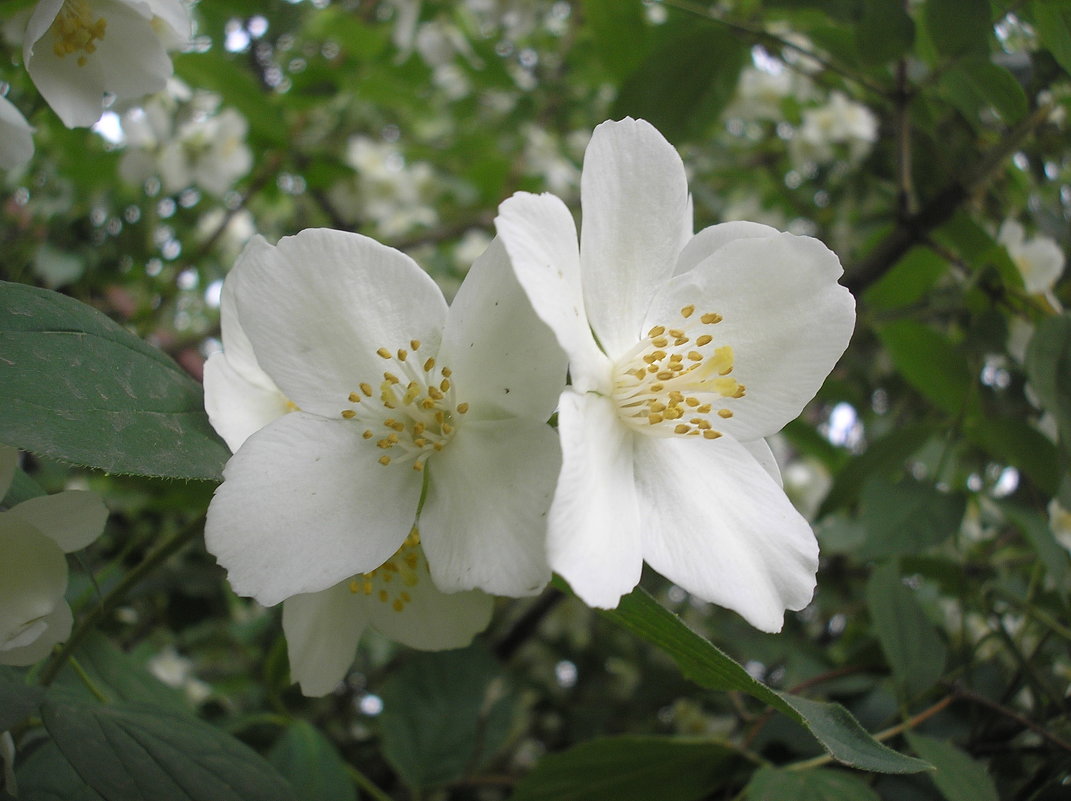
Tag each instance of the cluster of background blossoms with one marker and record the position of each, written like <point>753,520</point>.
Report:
<point>393,465</point>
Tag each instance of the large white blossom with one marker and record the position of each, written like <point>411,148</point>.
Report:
<point>16,136</point>
<point>78,50</point>
<point>35,537</point>
<point>685,352</point>
<point>397,598</point>
<point>395,397</point>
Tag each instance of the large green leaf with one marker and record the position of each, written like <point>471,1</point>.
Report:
<point>685,82</point>
<point>309,761</point>
<point>834,727</point>
<point>78,387</point>
<point>907,517</point>
<point>44,774</point>
<point>885,457</point>
<point>619,33</point>
<point>17,699</point>
<point>929,362</point>
<point>884,31</point>
<point>137,752</point>
<point>444,713</point>
<point>1048,365</point>
<point>911,644</point>
<point>958,27</point>
<point>1015,442</point>
<point>958,777</point>
<point>822,784</point>
<point>629,768</point>
<point>976,84</point>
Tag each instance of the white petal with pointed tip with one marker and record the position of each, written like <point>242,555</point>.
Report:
<point>594,539</point>
<point>505,360</point>
<point>318,306</point>
<point>484,521</point>
<point>305,503</point>
<point>717,525</point>
<point>636,218</point>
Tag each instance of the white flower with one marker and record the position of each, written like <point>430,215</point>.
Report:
<point>175,670</point>
<point>398,599</point>
<point>387,381</point>
<point>209,153</point>
<point>1039,259</point>
<point>840,122</point>
<point>16,136</point>
<point>685,352</point>
<point>1060,523</point>
<point>35,535</point>
<point>77,50</point>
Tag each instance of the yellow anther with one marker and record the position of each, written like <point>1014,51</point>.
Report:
<point>429,365</point>
<point>711,434</point>
<point>366,389</point>
<point>703,408</point>
<point>402,354</point>
<point>384,595</point>
<point>705,339</point>
<point>447,372</point>
<point>725,414</point>
<point>398,606</point>
<point>462,408</point>
<point>384,353</point>
<point>444,385</point>
<point>414,344</point>
<point>693,402</point>
<point>657,331</point>
<point>418,466</point>
<point>655,418</point>
<point>349,414</point>
<point>391,378</point>
<point>687,311</point>
<point>695,356</point>
<point>384,460</point>
<point>665,375</point>
<point>711,318</point>
<point>354,397</point>
<point>354,587</point>
<point>676,333</point>
<point>367,435</point>
<point>681,428</point>
<point>435,392</point>
<point>660,342</point>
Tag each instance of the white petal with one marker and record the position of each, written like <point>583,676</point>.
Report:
<point>432,620</point>
<point>710,239</point>
<point>785,317</point>
<point>320,304</point>
<point>718,526</point>
<point>304,504</point>
<point>761,452</point>
<point>72,519</point>
<point>594,536</point>
<point>322,630</point>
<point>56,628</point>
<point>132,57</point>
<point>16,136</point>
<point>636,218</point>
<point>485,518</point>
<point>1042,263</point>
<point>506,361</point>
<point>540,237</point>
<point>9,461</point>
<point>33,578</point>
<point>236,406</point>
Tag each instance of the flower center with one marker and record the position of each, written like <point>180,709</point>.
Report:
<point>414,413</point>
<point>674,379</point>
<point>391,581</point>
<point>76,31</point>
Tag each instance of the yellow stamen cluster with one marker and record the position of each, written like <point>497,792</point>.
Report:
<point>76,31</point>
<point>670,382</point>
<point>391,582</point>
<point>414,412</point>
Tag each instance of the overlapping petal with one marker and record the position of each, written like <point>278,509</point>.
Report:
<point>304,504</point>
<point>504,358</point>
<point>484,520</point>
<point>33,579</point>
<point>595,538</point>
<point>784,315</point>
<point>72,519</point>
<point>716,524</point>
<point>636,218</point>
<point>317,307</point>
<point>322,631</point>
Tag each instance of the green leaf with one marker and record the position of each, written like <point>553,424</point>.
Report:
<point>78,387</point>
<point>822,784</point>
<point>1016,442</point>
<point>444,713</point>
<point>929,362</point>
<point>884,31</point>
<point>906,517</point>
<point>834,727</point>
<point>118,676</point>
<point>958,27</point>
<point>958,777</point>
<point>1053,23</point>
<point>909,280</point>
<point>975,84</point>
<point>683,85</point>
<point>137,752</point>
<point>1048,366</point>
<point>911,644</point>
<point>884,457</point>
<point>17,699</point>
<point>1039,534</point>
<point>629,768</point>
<point>619,33</point>
<point>310,761</point>
<point>44,774</point>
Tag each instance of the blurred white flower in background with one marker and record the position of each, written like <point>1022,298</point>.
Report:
<point>35,537</point>
<point>16,136</point>
<point>77,51</point>
<point>1060,522</point>
<point>1039,259</point>
<point>841,122</point>
<point>175,670</point>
